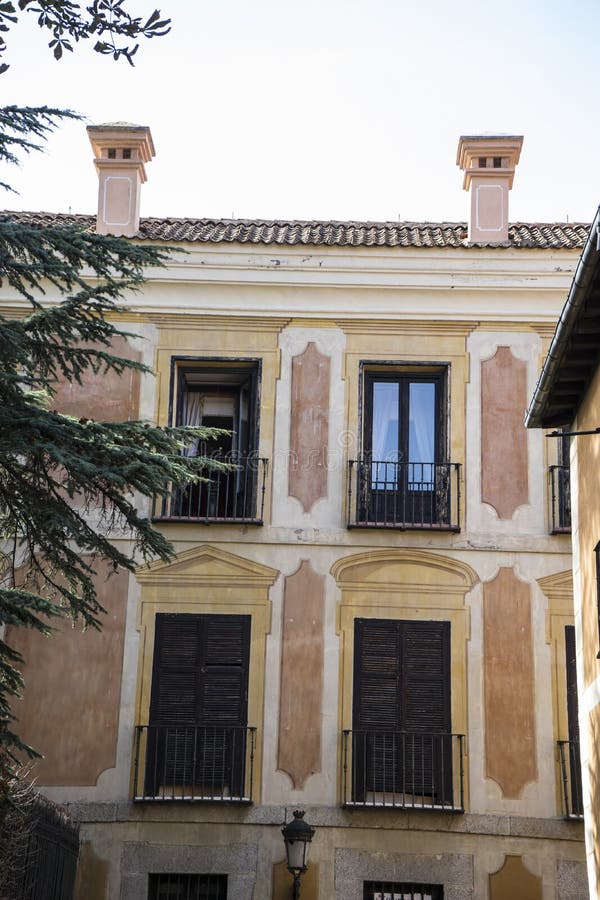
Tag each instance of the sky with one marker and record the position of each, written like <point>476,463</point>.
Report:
<point>326,109</point>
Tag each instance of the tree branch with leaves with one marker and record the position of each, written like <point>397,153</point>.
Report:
<point>108,21</point>
<point>68,485</point>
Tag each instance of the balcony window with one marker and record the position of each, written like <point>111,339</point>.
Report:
<point>400,751</point>
<point>197,744</point>
<point>221,395</point>
<point>560,489</point>
<point>569,751</point>
<point>403,478</point>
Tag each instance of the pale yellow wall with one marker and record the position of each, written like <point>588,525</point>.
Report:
<point>585,456</point>
<point>588,523</point>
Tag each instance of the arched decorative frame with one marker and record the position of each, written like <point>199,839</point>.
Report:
<point>405,584</point>
<point>208,580</point>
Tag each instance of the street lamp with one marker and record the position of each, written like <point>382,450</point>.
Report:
<point>297,836</point>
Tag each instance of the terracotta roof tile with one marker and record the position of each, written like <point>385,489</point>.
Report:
<point>537,235</point>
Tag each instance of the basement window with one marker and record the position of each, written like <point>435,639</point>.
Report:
<point>187,887</point>
<point>385,890</point>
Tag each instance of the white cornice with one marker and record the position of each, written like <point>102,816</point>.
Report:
<point>483,284</point>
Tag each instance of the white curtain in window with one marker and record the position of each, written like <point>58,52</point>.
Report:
<point>422,423</point>
<point>384,437</point>
<point>193,409</point>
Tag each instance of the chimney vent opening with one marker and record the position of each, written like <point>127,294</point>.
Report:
<point>112,153</point>
<point>127,153</point>
<point>497,162</point>
<point>482,162</point>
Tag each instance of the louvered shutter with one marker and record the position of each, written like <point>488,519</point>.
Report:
<point>223,699</point>
<point>573,721</point>
<point>426,759</point>
<point>376,705</point>
<point>198,707</point>
<point>175,671</point>
<point>401,712</point>
<point>571,667</point>
<point>223,684</point>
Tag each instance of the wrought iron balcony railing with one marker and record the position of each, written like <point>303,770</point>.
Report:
<point>194,762</point>
<point>384,494</point>
<point>570,779</point>
<point>403,770</point>
<point>237,495</point>
<point>560,499</point>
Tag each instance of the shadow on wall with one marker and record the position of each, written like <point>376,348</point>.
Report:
<point>92,875</point>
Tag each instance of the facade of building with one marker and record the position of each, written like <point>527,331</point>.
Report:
<point>371,617</point>
<point>567,398</point>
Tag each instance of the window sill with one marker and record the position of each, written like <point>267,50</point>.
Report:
<point>403,526</point>
<point>380,805</point>
<point>206,520</point>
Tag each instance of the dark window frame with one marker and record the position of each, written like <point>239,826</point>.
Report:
<point>395,370</point>
<point>229,397</point>
<point>251,367</point>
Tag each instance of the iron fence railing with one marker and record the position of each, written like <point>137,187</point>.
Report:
<point>236,495</point>
<point>404,770</point>
<point>560,498</point>
<point>47,863</point>
<point>194,762</point>
<point>390,494</point>
<point>570,779</point>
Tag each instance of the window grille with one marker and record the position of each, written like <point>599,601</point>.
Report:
<point>386,890</point>
<point>187,887</point>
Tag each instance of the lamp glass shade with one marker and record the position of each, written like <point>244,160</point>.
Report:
<point>297,854</point>
<point>297,835</point>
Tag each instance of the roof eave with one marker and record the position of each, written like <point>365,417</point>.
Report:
<point>541,414</point>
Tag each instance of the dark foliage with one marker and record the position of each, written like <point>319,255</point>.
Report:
<point>108,22</point>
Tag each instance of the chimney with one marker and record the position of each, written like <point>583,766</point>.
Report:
<point>120,151</point>
<point>488,162</point>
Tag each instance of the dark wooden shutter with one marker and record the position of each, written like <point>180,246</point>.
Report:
<point>426,676</point>
<point>199,700</point>
<point>377,675</point>
<point>223,681</point>
<point>571,667</point>
<point>223,700</point>
<point>376,705</point>
<point>573,721</point>
<point>175,671</point>
<point>401,710</point>
<point>425,688</point>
